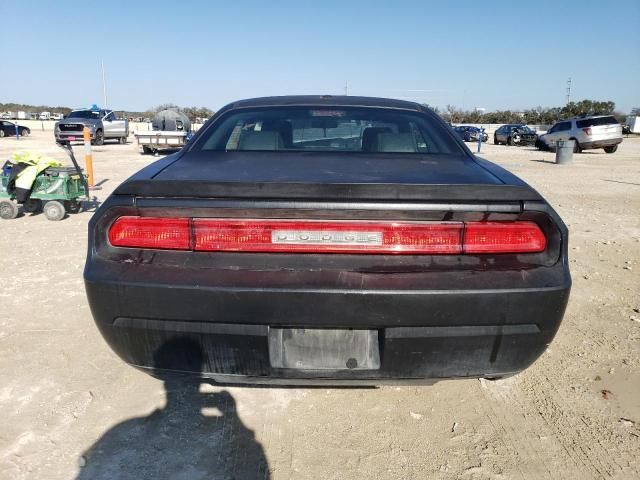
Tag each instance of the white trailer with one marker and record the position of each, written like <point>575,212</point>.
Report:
<point>154,140</point>
<point>634,123</point>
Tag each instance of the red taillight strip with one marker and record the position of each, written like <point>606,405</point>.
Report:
<point>503,237</point>
<point>151,232</point>
<point>305,236</point>
<point>327,237</point>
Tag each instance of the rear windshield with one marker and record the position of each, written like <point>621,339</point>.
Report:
<point>321,129</point>
<point>596,122</point>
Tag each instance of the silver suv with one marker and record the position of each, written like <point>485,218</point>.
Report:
<point>102,124</point>
<point>601,131</point>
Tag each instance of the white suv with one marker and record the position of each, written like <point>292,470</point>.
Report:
<point>602,131</point>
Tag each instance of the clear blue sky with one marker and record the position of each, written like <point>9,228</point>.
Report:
<point>492,54</point>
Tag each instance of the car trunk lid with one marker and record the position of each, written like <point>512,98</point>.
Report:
<point>346,177</point>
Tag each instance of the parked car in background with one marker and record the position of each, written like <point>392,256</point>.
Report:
<point>103,125</point>
<point>517,134</point>
<point>470,134</point>
<point>321,239</point>
<point>601,131</point>
<point>45,116</point>
<point>8,129</point>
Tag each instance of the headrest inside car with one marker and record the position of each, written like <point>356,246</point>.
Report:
<point>370,138</point>
<point>264,140</point>
<point>396,142</point>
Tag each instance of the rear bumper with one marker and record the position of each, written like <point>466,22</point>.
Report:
<point>66,136</point>
<point>423,334</point>
<point>601,143</point>
<point>474,138</point>
<point>528,139</point>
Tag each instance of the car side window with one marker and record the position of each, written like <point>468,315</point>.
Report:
<point>563,126</point>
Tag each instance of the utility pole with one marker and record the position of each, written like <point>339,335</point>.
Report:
<point>104,86</point>
<point>569,90</point>
<point>346,87</point>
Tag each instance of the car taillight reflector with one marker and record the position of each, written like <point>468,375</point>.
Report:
<point>264,235</point>
<point>327,237</point>
<point>503,237</point>
<point>587,130</point>
<point>151,232</point>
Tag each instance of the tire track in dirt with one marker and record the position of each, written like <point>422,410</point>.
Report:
<point>550,426</point>
<point>518,441</point>
<point>584,432</point>
<point>531,436</point>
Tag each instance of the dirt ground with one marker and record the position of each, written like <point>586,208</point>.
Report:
<point>71,409</point>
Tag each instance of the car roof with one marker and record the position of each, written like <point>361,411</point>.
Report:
<point>585,117</point>
<point>325,100</point>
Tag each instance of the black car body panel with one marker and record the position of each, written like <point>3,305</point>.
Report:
<point>9,129</point>
<point>431,316</point>
<point>470,134</point>
<point>518,134</point>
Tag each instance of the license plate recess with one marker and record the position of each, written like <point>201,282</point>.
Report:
<point>324,349</point>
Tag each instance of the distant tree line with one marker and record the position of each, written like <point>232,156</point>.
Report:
<point>191,112</point>
<point>21,107</point>
<point>452,114</point>
<point>532,116</point>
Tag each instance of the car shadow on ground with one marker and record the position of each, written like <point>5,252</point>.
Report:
<point>91,205</point>
<point>179,441</point>
<point>544,161</point>
<point>620,181</point>
<point>88,206</point>
<point>164,151</point>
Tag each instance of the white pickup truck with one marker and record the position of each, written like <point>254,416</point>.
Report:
<point>103,125</point>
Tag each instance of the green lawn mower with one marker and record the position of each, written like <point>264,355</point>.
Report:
<point>56,190</point>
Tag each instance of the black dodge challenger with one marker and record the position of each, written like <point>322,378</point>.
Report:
<point>327,239</point>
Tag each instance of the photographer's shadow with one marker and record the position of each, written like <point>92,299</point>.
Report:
<point>179,441</point>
